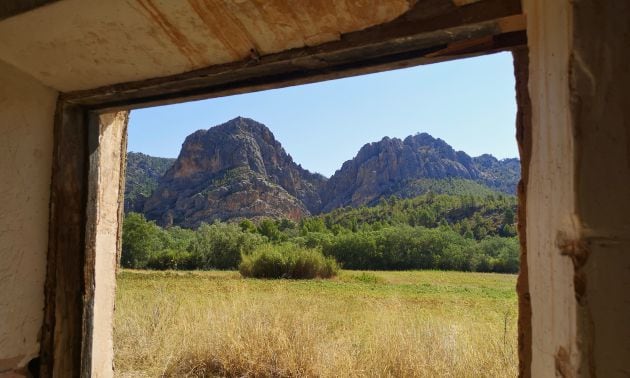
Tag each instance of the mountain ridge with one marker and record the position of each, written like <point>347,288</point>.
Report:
<point>239,170</point>
<point>142,174</point>
<point>233,170</point>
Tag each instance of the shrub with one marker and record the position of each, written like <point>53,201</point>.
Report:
<point>247,225</point>
<point>501,255</point>
<point>220,245</point>
<point>269,228</point>
<point>314,239</point>
<point>140,239</point>
<point>169,259</point>
<point>287,261</point>
<point>368,278</point>
<point>355,250</point>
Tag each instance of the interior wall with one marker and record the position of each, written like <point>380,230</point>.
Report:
<point>578,200</point>
<point>600,110</point>
<point>27,111</point>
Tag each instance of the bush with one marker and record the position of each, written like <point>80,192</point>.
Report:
<point>355,250</point>
<point>269,228</point>
<point>220,245</point>
<point>140,240</point>
<point>368,278</point>
<point>399,248</point>
<point>287,261</point>
<point>169,259</point>
<point>498,254</point>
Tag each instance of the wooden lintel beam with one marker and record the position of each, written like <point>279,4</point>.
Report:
<point>10,8</point>
<point>405,41</point>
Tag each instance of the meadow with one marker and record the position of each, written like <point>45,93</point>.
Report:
<point>359,324</point>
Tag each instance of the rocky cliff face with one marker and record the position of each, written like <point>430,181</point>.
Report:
<point>387,167</point>
<point>501,175</point>
<point>141,178</point>
<point>239,170</point>
<point>236,169</point>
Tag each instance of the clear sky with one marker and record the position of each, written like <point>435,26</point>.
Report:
<point>469,103</point>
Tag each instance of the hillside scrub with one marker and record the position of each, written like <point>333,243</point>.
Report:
<point>411,248</point>
<point>141,178</point>
<point>445,232</point>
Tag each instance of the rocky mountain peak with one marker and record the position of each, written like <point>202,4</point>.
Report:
<point>394,167</point>
<point>240,142</point>
<point>239,170</point>
<point>236,169</point>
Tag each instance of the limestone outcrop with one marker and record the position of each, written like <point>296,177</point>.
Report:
<point>389,166</point>
<point>234,170</point>
<point>239,170</point>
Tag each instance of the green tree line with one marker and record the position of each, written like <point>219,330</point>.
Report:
<point>446,232</point>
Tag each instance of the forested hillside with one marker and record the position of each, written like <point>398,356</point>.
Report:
<point>407,167</point>
<point>141,178</point>
<point>451,232</point>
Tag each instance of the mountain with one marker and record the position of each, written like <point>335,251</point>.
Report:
<point>141,178</point>
<point>234,170</point>
<point>411,167</point>
<point>239,170</point>
<point>501,175</point>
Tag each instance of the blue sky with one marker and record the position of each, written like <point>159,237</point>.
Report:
<point>469,103</point>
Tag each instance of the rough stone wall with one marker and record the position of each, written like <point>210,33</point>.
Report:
<point>26,140</point>
<point>578,204</point>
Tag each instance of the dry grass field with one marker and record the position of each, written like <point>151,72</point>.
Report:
<point>360,324</point>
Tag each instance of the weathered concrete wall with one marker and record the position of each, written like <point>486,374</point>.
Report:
<point>578,201</point>
<point>26,139</point>
<point>105,203</point>
<point>600,111</point>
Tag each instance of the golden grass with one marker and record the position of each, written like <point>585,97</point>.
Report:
<point>373,324</point>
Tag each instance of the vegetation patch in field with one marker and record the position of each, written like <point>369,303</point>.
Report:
<point>287,261</point>
<point>364,277</point>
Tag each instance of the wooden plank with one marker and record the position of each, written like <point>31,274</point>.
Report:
<point>121,195</point>
<point>62,330</point>
<point>253,83</point>
<point>524,139</point>
<point>10,8</point>
<point>91,223</point>
<point>386,46</point>
<point>461,3</point>
<point>485,45</point>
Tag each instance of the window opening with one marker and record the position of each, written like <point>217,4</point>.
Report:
<point>328,229</point>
